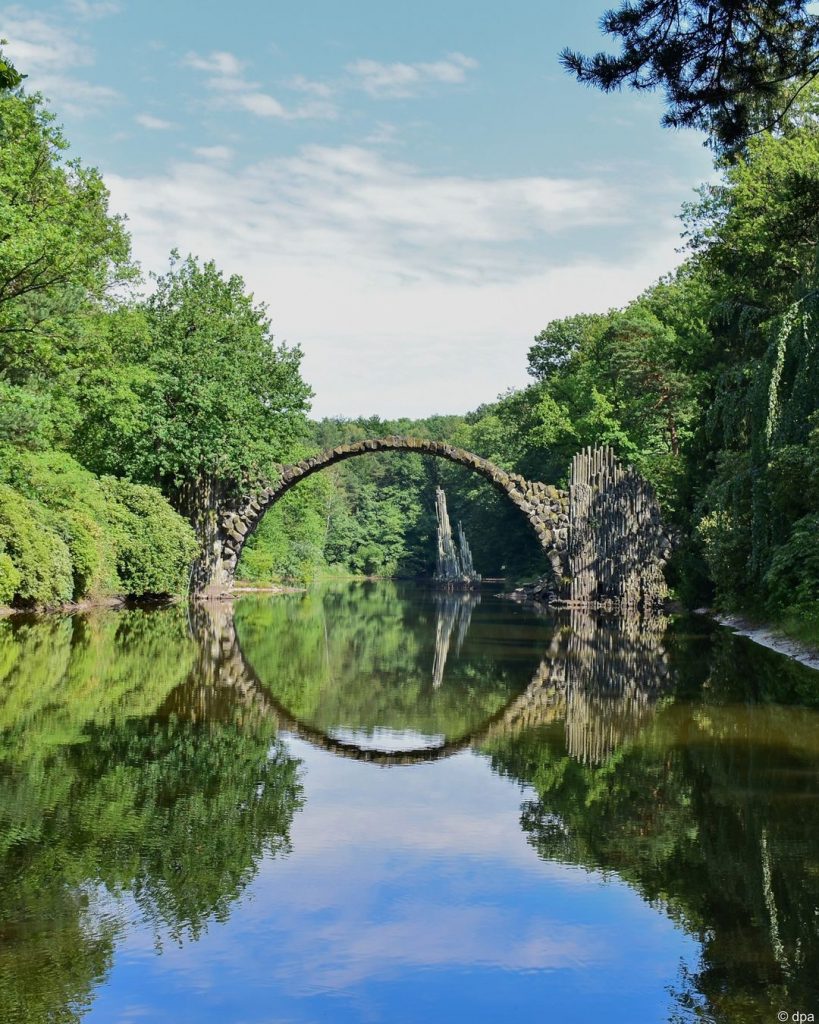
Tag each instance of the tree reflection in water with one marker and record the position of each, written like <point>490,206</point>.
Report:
<point>115,783</point>
<point>141,766</point>
<point>707,807</point>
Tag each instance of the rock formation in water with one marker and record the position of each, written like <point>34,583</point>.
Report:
<point>454,569</point>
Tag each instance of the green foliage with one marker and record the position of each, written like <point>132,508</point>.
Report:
<point>119,537</point>
<point>184,390</point>
<point>755,232</point>
<point>289,542</point>
<point>200,389</point>
<point>793,577</point>
<point>25,417</point>
<point>154,545</point>
<point>559,340</point>
<point>40,560</point>
<point>60,250</point>
<point>728,68</point>
<point>10,577</point>
<point>764,484</point>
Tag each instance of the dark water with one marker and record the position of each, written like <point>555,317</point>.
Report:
<point>372,804</point>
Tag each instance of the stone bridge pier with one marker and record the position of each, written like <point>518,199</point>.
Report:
<point>603,536</point>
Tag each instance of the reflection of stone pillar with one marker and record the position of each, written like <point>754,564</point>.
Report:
<point>451,609</point>
<point>602,676</point>
<point>615,671</point>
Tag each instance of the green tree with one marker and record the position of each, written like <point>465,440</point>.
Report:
<point>730,67</point>
<point>207,403</point>
<point>60,249</point>
<point>560,340</point>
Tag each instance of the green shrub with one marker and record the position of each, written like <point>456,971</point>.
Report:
<point>38,555</point>
<point>9,579</point>
<point>154,545</point>
<point>117,537</point>
<point>93,558</point>
<point>78,513</point>
<point>793,577</point>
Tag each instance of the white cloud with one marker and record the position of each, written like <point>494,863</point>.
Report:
<point>219,62</point>
<point>42,48</point>
<point>214,152</point>
<point>386,217</point>
<point>155,124</point>
<point>260,104</point>
<point>398,283</point>
<point>39,43</point>
<point>384,134</point>
<point>321,89</point>
<point>234,91</point>
<point>90,10</point>
<point>399,80</point>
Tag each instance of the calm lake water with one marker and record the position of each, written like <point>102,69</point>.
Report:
<point>373,803</point>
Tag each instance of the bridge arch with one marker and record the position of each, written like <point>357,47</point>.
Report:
<point>545,507</point>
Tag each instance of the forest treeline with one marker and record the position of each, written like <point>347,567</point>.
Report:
<point>130,409</point>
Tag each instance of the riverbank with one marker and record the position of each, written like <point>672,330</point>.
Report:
<point>73,607</point>
<point>770,637</point>
<point>118,601</point>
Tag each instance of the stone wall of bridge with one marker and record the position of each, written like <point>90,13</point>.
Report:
<point>604,537</point>
<point>545,507</point>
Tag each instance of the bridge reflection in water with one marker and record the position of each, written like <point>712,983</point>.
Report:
<point>146,778</point>
<point>600,676</point>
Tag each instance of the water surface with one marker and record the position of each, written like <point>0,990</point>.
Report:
<point>375,803</point>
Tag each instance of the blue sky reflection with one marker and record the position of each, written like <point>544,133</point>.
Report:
<point>411,894</point>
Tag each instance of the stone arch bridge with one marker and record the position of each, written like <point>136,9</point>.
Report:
<point>604,534</point>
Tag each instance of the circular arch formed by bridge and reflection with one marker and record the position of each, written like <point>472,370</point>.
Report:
<point>545,507</point>
<point>603,682</point>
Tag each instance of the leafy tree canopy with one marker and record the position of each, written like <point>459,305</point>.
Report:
<point>60,249</point>
<point>729,67</point>
<point>199,389</point>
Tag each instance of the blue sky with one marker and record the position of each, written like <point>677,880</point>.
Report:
<point>415,190</point>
